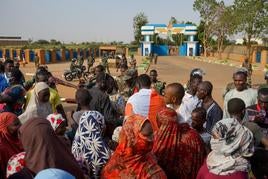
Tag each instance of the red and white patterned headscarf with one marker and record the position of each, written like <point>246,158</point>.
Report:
<point>55,120</point>
<point>15,163</point>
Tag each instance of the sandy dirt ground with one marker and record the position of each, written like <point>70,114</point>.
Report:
<point>170,69</point>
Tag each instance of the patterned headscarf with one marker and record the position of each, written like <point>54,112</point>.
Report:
<point>234,142</point>
<point>15,163</point>
<point>55,120</point>
<point>89,147</point>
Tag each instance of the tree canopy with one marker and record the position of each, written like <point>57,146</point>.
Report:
<point>138,21</point>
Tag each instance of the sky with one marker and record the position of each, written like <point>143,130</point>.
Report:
<point>87,20</point>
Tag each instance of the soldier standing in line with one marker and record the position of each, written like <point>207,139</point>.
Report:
<point>246,64</point>
<point>156,84</point>
<point>90,62</point>
<point>133,62</point>
<point>105,63</point>
<point>36,61</point>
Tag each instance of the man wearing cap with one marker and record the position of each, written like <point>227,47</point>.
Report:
<point>130,78</point>
<point>241,91</point>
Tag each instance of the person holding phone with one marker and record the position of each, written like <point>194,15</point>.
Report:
<point>258,113</point>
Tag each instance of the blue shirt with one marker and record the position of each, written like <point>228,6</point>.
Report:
<point>3,83</point>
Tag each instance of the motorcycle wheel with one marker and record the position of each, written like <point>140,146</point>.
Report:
<point>68,76</point>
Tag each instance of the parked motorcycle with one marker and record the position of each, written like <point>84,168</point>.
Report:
<point>78,72</point>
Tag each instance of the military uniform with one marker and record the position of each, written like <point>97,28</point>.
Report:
<point>159,87</point>
<point>104,62</point>
<point>80,61</point>
<point>90,62</point>
<point>36,61</point>
<point>248,66</point>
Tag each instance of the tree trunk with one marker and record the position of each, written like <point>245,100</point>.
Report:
<point>205,43</point>
<point>249,56</point>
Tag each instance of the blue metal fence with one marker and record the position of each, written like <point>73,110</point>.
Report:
<point>183,50</point>
<point>258,57</point>
<point>160,50</point>
<point>58,55</point>
<point>31,55</point>
<point>74,54</point>
<point>48,56</point>
<point>67,54</point>
<point>7,53</point>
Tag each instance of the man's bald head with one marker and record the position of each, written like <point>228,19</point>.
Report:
<point>174,93</point>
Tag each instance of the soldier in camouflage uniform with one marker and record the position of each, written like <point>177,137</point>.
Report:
<point>119,79</point>
<point>105,63</point>
<point>80,61</point>
<point>156,84</point>
<point>90,62</point>
<point>246,64</point>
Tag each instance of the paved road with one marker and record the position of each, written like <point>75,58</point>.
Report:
<point>177,69</point>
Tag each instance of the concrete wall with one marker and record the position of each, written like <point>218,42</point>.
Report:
<point>239,53</point>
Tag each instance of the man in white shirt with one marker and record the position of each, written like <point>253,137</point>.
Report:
<point>173,95</point>
<point>147,102</point>
<point>190,101</point>
<point>241,91</point>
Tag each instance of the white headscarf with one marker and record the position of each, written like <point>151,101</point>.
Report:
<point>235,142</point>
<point>36,108</point>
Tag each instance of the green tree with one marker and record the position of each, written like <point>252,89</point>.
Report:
<point>207,10</point>
<point>251,19</point>
<point>224,25</point>
<point>138,21</point>
<point>173,20</point>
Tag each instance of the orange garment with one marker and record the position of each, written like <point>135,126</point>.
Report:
<point>179,149</point>
<point>147,102</point>
<point>9,144</point>
<point>133,157</point>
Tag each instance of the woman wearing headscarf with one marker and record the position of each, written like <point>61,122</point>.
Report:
<point>58,123</point>
<point>38,105</point>
<point>44,150</point>
<point>231,144</point>
<point>9,141</point>
<point>13,98</point>
<point>133,157</point>
<point>15,164</point>
<point>89,147</point>
<point>179,149</point>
